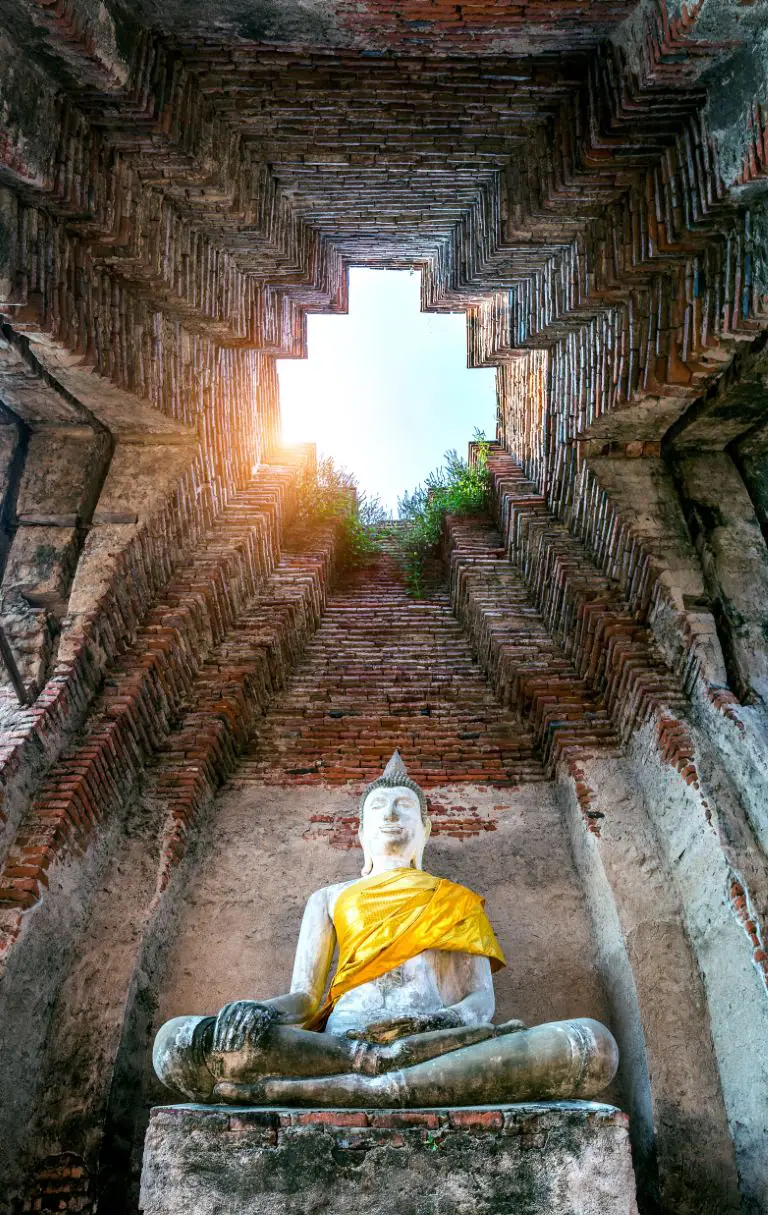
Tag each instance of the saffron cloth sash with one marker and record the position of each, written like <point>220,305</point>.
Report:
<point>384,920</point>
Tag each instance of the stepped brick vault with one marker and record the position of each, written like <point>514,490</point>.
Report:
<point>192,692</point>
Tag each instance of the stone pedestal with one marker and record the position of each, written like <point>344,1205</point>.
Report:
<point>563,1158</point>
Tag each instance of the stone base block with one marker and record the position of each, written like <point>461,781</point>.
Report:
<point>560,1158</point>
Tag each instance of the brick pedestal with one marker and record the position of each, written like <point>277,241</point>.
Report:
<point>564,1158</point>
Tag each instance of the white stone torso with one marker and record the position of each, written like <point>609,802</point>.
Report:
<point>431,981</point>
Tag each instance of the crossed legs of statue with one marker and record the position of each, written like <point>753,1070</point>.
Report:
<point>468,1065</point>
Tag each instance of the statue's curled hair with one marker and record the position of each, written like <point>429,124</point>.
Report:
<point>394,776</point>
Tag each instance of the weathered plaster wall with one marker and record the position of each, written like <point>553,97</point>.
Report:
<point>668,1069</point>
<point>718,874</point>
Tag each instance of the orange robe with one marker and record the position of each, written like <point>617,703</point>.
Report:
<point>383,921</point>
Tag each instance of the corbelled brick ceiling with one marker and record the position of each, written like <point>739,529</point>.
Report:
<point>383,156</point>
<point>376,26</point>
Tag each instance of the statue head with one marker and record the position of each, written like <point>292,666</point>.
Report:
<point>393,818</point>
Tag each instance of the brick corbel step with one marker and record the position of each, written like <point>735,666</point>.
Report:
<point>610,537</point>
<point>609,133</point>
<point>175,240</point>
<point>235,686</point>
<point>146,691</point>
<point>644,231</point>
<point>609,643</point>
<point>526,667</point>
<point>92,639</point>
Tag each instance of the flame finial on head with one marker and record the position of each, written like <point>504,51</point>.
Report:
<point>394,775</point>
<point>395,770</point>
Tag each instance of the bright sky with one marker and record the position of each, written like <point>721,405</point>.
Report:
<point>386,389</point>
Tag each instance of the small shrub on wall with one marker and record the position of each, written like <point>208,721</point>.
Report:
<point>458,488</point>
<point>328,493</point>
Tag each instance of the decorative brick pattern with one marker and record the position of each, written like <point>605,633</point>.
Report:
<point>528,669</point>
<point>435,168</point>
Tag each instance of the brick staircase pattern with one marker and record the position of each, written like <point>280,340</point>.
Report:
<point>236,686</point>
<point>386,671</point>
<point>583,610</point>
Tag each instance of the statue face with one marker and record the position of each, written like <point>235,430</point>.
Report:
<point>392,825</point>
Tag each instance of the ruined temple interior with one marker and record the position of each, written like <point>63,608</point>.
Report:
<point>193,693</point>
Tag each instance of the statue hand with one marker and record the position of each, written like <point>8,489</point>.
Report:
<point>510,1027</point>
<point>242,1022</point>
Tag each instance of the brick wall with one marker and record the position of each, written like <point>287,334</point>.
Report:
<point>387,671</point>
<point>145,690</point>
<point>528,669</point>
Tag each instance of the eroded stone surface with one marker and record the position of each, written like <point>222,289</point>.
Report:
<point>567,1158</point>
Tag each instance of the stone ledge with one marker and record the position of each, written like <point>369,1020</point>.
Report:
<point>562,1158</point>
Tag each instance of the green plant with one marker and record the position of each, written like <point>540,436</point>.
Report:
<point>457,488</point>
<point>328,493</point>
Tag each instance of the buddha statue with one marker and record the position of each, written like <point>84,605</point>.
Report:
<point>407,1020</point>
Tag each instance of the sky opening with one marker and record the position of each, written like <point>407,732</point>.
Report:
<point>386,389</point>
